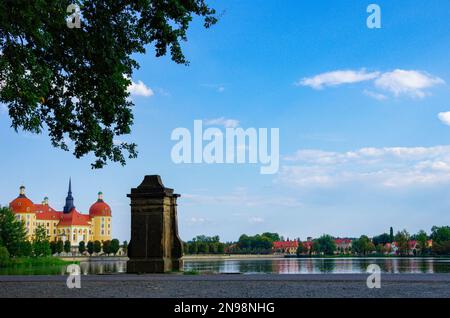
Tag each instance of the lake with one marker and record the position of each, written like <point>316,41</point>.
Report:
<point>320,265</point>
<point>264,265</point>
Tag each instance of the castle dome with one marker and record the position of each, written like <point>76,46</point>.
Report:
<point>100,208</point>
<point>22,204</point>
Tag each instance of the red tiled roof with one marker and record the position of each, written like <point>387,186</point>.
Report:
<point>308,244</point>
<point>286,244</point>
<point>100,208</point>
<point>342,241</point>
<point>22,204</point>
<point>46,212</point>
<point>74,218</point>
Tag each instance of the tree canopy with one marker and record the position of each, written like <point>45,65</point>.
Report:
<point>326,244</point>
<point>440,233</point>
<point>41,243</point>
<point>72,82</point>
<point>381,239</point>
<point>363,245</point>
<point>12,231</point>
<point>402,238</point>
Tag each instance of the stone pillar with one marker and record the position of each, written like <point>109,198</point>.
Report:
<point>155,246</point>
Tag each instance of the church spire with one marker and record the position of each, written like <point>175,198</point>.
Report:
<point>69,199</point>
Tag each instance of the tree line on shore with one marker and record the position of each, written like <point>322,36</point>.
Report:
<point>257,244</point>
<point>435,243</point>
<point>14,243</point>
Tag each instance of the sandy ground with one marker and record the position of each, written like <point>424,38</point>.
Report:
<point>228,286</point>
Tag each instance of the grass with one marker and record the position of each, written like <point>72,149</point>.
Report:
<point>37,261</point>
<point>34,266</point>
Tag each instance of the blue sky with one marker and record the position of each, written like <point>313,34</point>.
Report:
<point>362,143</point>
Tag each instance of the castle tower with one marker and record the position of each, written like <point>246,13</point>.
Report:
<point>100,213</point>
<point>69,199</point>
<point>25,211</point>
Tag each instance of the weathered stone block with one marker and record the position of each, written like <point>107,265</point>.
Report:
<point>155,246</point>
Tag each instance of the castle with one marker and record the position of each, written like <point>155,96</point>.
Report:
<point>68,224</point>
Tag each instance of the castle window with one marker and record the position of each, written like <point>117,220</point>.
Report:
<point>103,232</point>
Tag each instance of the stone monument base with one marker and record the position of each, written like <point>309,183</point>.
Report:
<point>155,246</point>
<point>154,265</point>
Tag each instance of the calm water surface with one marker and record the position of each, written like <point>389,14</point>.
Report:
<point>321,265</point>
<point>259,266</point>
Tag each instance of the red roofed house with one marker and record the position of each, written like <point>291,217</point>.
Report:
<point>68,224</point>
<point>413,247</point>
<point>308,246</point>
<point>285,247</point>
<point>343,245</point>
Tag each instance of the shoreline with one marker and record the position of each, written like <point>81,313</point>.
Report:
<point>212,257</point>
<point>229,257</point>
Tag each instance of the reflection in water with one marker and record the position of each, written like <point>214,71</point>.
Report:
<point>319,265</point>
<point>268,265</point>
<point>103,267</point>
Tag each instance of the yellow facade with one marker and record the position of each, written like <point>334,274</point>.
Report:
<point>101,228</point>
<point>29,221</point>
<point>64,225</point>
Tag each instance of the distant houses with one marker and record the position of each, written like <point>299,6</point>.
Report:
<point>413,247</point>
<point>285,247</point>
<point>343,246</point>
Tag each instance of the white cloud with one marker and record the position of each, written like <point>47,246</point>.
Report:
<point>140,89</point>
<point>375,95</point>
<point>410,83</point>
<point>197,220</point>
<point>397,82</point>
<point>336,78</point>
<point>444,117</point>
<point>386,167</point>
<point>222,121</point>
